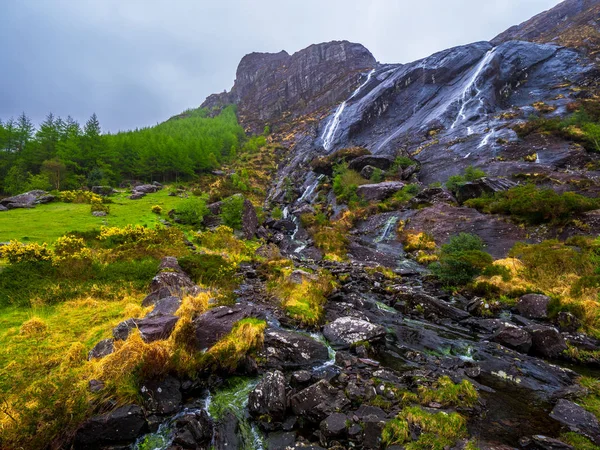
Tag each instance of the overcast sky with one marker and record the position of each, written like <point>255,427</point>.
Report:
<point>138,62</point>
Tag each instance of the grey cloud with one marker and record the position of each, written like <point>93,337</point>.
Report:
<point>137,62</point>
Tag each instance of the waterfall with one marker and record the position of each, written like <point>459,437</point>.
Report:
<point>467,94</point>
<point>486,139</point>
<point>386,230</point>
<point>331,128</point>
<point>310,190</point>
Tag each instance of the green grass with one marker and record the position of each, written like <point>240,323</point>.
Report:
<point>46,223</point>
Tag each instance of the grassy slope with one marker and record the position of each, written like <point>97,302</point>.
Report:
<point>46,223</point>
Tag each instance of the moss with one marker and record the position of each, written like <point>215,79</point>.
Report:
<point>447,393</point>
<point>578,441</point>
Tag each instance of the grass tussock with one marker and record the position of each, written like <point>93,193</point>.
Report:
<point>447,393</point>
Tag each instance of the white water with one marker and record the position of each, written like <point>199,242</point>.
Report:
<point>467,155</point>
<point>332,126</point>
<point>467,93</point>
<point>286,212</point>
<point>310,190</point>
<point>537,158</point>
<point>331,352</point>
<point>386,230</point>
<point>486,139</point>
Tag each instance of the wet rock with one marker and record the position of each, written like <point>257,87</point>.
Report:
<point>193,430</point>
<point>367,172</point>
<point>414,297</point>
<point>227,436</point>
<point>334,426</point>
<point>379,162</point>
<point>546,341</point>
<point>218,322</point>
<point>287,350</point>
<point>103,190</point>
<point>119,427</point>
<point>284,225</point>
<point>431,196</point>
<point>373,426</point>
<point>567,322</point>
<point>281,440</point>
<point>483,186</point>
<point>379,191</point>
<point>545,443</point>
<point>161,397</point>
<point>269,397</point>
<point>534,306</point>
<point>301,377</point>
<point>346,331</point>
<point>156,328</point>
<point>101,349</point>
<point>513,337</point>
<point>122,330</point>
<point>577,419</point>
<point>318,401</point>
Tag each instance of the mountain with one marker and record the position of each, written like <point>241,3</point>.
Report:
<point>572,23</point>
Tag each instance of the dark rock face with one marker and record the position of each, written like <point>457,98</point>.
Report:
<point>577,419</point>
<point>431,196</point>
<point>156,328</point>
<point>193,430</point>
<point>268,85</point>
<point>345,331</point>
<point>101,349</point>
<point>513,337</point>
<point>122,330</point>
<point>546,341</point>
<point>162,397</point>
<point>217,322</point>
<point>567,322</point>
<point>431,305</point>
<point>534,306</point>
<point>318,401</point>
<point>379,191</point>
<point>166,306</point>
<point>481,187</point>
<point>380,162</point>
<point>249,220</point>
<point>27,199</point>
<point>120,427</point>
<point>171,280</point>
<point>334,425</point>
<point>290,351</point>
<point>269,397</point>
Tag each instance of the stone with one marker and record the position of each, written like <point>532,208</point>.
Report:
<point>269,397</point>
<point>26,200</point>
<point>95,385</point>
<point>416,297</point>
<point>137,195</point>
<point>334,426</point>
<point>373,426</point>
<point>483,186</point>
<point>547,443</point>
<point>546,341</point>
<point>533,306</point>
<point>101,349</point>
<point>379,162</point>
<point>367,172</point>
<point>156,328</point>
<point>166,306</point>
<point>122,330</point>
<point>161,397</point>
<point>513,337</point>
<point>379,191</point>
<point>346,331</point>
<point>288,350</point>
<point>146,189</point>
<point>103,190</point>
<point>3,208</point>
<point>99,213</point>
<point>119,427</point>
<point>280,440</point>
<point>318,401</point>
<point>299,276</point>
<point>218,322</point>
<point>249,220</point>
<point>227,436</point>
<point>567,322</point>
<point>193,430</point>
<point>431,196</point>
<point>577,419</point>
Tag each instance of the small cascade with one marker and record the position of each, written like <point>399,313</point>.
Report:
<point>331,352</point>
<point>286,212</point>
<point>332,126</point>
<point>486,138</point>
<point>389,226</point>
<point>309,191</point>
<point>161,439</point>
<point>467,94</point>
<point>537,158</point>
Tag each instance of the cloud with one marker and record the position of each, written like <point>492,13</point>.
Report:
<point>137,62</point>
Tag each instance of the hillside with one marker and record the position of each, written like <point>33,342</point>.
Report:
<point>391,256</point>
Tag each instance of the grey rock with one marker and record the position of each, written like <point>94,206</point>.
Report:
<point>122,330</point>
<point>432,196</point>
<point>513,337</point>
<point>280,440</point>
<point>218,322</point>
<point>193,430</point>
<point>546,341</point>
<point>101,349</point>
<point>161,397</point>
<point>334,426</point>
<point>534,306</point>
<point>577,419</point>
<point>318,401</point>
<point>166,306</point>
<point>137,195</point>
<point>483,186</point>
<point>288,350</point>
<point>146,189</point>
<point>99,213</point>
<point>567,322</point>
<point>346,331</point>
<point>119,427</point>
<point>103,190</point>
<point>156,328</point>
<point>269,397</point>
<point>379,162</point>
<point>379,191</point>
<point>367,172</point>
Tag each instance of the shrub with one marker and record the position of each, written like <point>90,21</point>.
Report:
<point>377,176</point>
<point>209,269</point>
<point>446,393</point>
<point>192,210</point>
<point>99,207</point>
<point>277,213</point>
<point>80,197</point>
<point>232,210</point>
<point>17,252</point>
<point>470,174</point>
<point>534,206</point>
<point>345,184</point>
<point>157,209</point>
<point>461,260</point>
<point>404,162</point>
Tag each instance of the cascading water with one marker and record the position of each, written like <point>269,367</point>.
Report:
<point>162,438</point>
<point>332,126</point>
<point>308,192</point>
<point>486,139</point>
<point>389,225</point>
<point>467,94</point>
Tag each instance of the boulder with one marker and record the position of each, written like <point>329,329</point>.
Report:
<point>413,297</point>
<point>281,440</point>
<point>431,196</point>
<point>334,426</point>
<point>156,328</point>
<point>577,419</point>
<point>288,350</point>
<point>567,322</point>
<point>218,322</point>
<point>318,401</point>
<point>227,435</point>
<point>172,279</point>
<point>379,162</point>
<point>283,225</point>
<point>268,397</point>
<point>249,220</point>
<point>146,189</point>
<point>119,427</point>
<point>137,195</point>
<point>346,331</point>
<point>298,276</point>
<point>3,208</point>
<point>513,337</point>
<point>546,443</point>
<point>99,213</point>
<point>101,349</point>
<point>367,172</point>
<point>122,330</point>
<point>193,430</point>
<point>533,306</point>
<point>379,191</point>
<point>27,199</point>
<point>103,190</point>
<point>166,306</point>
<point>546,341</point>
<point>161,397</point>
<point>483,186</point>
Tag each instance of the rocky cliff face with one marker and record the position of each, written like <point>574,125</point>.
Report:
<point>572,23</point>
<point>273,87</point>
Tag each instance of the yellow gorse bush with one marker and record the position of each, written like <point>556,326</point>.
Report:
<point>17,252</point>
<point>80,197</point>
<point>70,247</point>
<point>130,233</point>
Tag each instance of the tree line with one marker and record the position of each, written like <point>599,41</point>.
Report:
<point>61,154</point>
